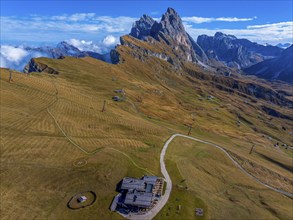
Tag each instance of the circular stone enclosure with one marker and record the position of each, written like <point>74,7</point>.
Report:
<point>80,162</point>
<point>75,204</point>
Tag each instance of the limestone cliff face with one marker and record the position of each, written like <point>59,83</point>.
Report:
<point>34,66</point>
<point>171,32</point>
<point>200,54</point>
<point>141,51</point>
<point>141,28</point>
<point>115,57</point>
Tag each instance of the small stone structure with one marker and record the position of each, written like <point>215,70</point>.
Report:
<point>198,211</point>
<point>82,200</point>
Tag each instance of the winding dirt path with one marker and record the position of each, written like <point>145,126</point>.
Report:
<point>153,212</point>
<point>80,147</point>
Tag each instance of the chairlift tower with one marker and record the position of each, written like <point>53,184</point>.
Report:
<point>10,75</point>
<point>104,106</point>
<point>189,131</point>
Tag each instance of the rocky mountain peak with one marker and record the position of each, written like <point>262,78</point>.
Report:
<point>147,18</point>
<point>142,27</point>
<point>170,30</point>
<point>171,11</point>
<point>171,24</point>
<point>65,45</point>
<point>65,48</point>
<point>220,35</point>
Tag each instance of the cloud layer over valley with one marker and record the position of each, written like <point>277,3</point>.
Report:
<point>17,57</point>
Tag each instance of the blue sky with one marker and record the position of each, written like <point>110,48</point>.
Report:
<point>100,23</point>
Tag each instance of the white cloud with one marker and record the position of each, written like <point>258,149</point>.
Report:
<point>83,45</point>
<point>110,40</point>
<point>81,16</point>
<point>196,20</point>
<point>87,23</point>
<point>59,17</point>
<point>234,19</point>
<point>3,62</point>
<point>13,54</point>
<point>199,20</point>
<point>16,57</point>
<point>115,24</point>
<point>102,46</point>
<point>73,17</point>
<point>279,25</point>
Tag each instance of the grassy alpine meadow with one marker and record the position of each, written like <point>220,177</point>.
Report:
<point>56,141</point>
<point>47,127</point>
<point>204,177</point>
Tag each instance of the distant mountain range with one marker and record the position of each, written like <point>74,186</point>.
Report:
<point>280,68</point>
<point>228,49</point>
<point>210,50</point>
<point>163,50</point>
<point>65,49</point>
<point>284,46</point>
<point>266,61</point>
<point>234,52</point>
<point>62,49</point>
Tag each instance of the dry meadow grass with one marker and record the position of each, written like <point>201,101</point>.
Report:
<point>51,122</point>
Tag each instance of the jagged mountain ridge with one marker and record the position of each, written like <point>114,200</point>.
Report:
<point>160,44</point>
<point>209,51</point>
<point>280,68</point>
<point>141,28</point>
<point>60,51</point>
<point>65,49</point>
<point>170,30</point>
<point>234,52</point>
